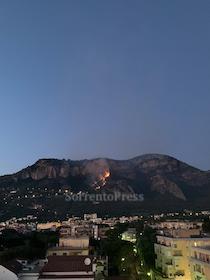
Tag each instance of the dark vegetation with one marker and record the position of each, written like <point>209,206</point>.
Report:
<point>27,246</point>
<point>125,258</point>
<point>206,225</point>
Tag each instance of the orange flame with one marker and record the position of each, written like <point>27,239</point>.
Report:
<point>106,174</point>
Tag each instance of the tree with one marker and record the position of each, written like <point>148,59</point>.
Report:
<point>206,225</point>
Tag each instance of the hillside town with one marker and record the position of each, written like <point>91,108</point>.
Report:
<point>160,246</point>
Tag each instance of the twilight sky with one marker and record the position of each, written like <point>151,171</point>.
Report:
<point>110,78</point>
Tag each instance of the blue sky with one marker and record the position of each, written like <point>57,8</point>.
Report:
<point>96,78</point>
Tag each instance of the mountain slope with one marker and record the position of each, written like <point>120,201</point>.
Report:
<point>165,182</point>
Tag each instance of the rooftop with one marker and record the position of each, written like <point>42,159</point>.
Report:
<point>68,264</point>
<point>13,266</point>
<point>63,248</point>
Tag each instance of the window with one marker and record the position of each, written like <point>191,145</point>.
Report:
<point>198,268</point>
<point>177,253</point>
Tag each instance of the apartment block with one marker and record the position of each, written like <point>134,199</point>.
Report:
<point>173,255</point>
<point>200,263</point>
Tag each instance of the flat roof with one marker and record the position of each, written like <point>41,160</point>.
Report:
<point>68,264</point>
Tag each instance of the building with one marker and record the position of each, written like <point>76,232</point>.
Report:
<point>173,255</point>
<point>90,217</point>
<point>10,270</point>
<point>102,231</point>
<point>70,246</point>
<point>173,232</point>
<point>95,232</point>
<point>48,226</point>
<point>200,263</point>
<point>65,231</point>
<point>6,274</point>
<point>72,241</point>
<point>31,269</point>
<point>129,235</point>
<point>77,230</point>
<point>177,224</point>
<point>101,267</point>
<point>68,268</point>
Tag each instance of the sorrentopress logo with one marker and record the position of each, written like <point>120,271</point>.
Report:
<point>104,197</point>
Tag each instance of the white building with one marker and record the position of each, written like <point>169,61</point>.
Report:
<point>200,263</point>
<point>6,274</point>
<point>70,245</point>
<point>173,256</point>
<point>74,242</point>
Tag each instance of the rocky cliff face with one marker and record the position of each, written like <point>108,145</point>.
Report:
<point>156,176</point>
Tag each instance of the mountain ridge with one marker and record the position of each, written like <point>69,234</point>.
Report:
<point>160,178</point>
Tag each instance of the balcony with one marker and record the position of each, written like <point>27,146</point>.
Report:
<point>199,261</point>
<point>177,254</point>
<point>179,273</point>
